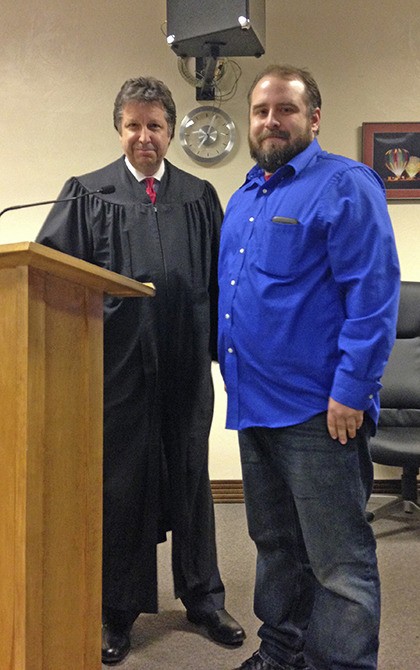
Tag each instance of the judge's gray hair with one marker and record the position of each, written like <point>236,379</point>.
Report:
<point>145,89</point>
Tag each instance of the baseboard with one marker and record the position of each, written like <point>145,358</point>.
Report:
<point>227,490</point>
<point>230,490</point>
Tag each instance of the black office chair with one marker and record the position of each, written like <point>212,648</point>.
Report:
<point>397,441</point>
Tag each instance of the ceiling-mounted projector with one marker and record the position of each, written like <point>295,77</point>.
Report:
<point>220,28</point>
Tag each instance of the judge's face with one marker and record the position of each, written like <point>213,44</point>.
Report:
<point>145,135</point>
<point>280,124</point>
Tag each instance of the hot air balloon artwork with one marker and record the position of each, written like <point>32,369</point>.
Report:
<point>396,161</point>
<point>413,167</point>
<point>393,151</point>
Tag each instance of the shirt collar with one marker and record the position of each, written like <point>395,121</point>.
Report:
<point>294,166</point>
<point>140,176</point>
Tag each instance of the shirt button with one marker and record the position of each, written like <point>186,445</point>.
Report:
<point>251,218</point>
<point>233,282</point>
<point>241,251</point>
<point>227,316</point>
<point>230,350</point>
<point>265,190</point>
<point>371,396</point>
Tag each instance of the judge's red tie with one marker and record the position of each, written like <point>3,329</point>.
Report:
<point>149,188</point>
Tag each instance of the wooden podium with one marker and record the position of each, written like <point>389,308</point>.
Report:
<point>51,381</point>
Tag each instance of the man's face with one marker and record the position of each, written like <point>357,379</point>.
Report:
<point>145,135</point>
<point>280,125</point>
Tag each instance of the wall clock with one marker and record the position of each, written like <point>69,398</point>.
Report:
<point>207,134</point>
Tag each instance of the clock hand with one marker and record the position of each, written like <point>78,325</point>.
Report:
<point>211,124</point>
<point>203,141</point>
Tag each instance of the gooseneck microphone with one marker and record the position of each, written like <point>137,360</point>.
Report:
<point>103,189</point>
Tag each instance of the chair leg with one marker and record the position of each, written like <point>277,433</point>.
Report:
<point>410,507</point>
<point>409,484</point>
<point>393,506</point>
<point>407,502</point>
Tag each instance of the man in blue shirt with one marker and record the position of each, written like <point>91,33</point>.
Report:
<point>309,284</point>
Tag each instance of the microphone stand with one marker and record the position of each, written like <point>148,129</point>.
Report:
<point>103,189</point>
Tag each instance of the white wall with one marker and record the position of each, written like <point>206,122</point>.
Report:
<point>61,65</point>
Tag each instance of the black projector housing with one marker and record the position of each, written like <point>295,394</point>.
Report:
<point>216,28</point>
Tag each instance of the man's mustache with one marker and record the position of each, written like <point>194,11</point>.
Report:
<point>281,134</point>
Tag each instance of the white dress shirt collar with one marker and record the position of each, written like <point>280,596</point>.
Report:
<point>140,176</point>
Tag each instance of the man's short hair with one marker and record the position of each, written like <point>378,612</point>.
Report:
<point>145,89</point>
<point>289,72</point>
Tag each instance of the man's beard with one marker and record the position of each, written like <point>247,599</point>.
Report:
<point>272,158</point>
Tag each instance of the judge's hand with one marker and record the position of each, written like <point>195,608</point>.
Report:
<point>343,421</point>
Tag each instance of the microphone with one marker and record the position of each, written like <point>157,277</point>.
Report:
<point>103,189</point>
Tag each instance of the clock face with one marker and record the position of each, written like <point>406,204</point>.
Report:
<point>207,134</point>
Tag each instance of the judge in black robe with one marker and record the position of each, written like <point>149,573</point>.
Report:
<point>158,393</point>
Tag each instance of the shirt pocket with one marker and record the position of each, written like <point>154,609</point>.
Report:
<point>280,247</point>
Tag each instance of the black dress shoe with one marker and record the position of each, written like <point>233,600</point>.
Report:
<point>115,644</point>
<point>220,626</point>
<point>256,662</point>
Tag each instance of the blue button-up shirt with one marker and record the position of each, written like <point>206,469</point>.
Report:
<point>309,284</point>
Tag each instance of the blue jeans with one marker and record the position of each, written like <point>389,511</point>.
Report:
<point>317,588</point>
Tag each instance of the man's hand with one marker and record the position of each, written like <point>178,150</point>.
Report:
<point>343,421</point>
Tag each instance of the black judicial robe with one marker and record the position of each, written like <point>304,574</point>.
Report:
<point>158,393</point>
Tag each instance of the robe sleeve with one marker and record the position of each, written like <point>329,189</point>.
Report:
<point>67,227</point>
<point>215,213</point>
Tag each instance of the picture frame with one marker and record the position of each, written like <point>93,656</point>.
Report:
<point>393,151</point>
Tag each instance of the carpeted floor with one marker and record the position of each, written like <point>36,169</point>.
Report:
<point>167,641</point>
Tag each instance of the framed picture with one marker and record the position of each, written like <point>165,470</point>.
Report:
<point>393,150</point>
